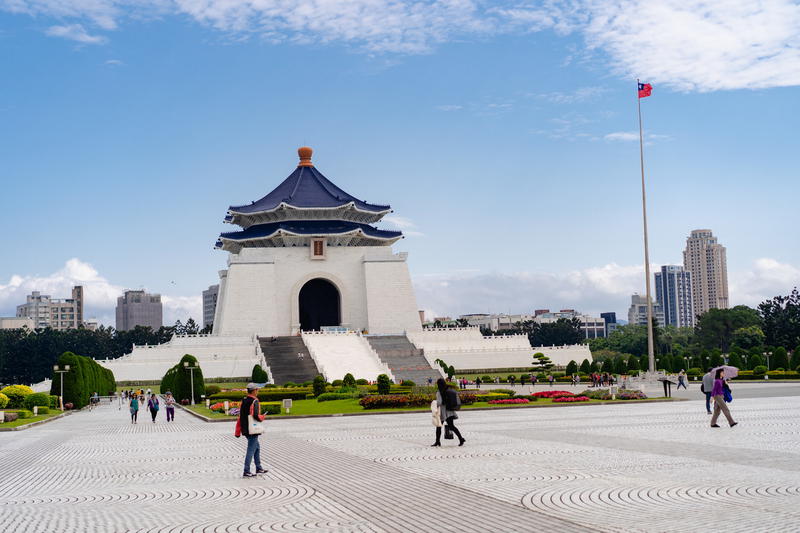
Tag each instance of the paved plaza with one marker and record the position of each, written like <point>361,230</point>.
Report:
<point>646,467</point>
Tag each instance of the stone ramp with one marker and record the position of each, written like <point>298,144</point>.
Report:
<point>284,363</point>
<point>405,360</point>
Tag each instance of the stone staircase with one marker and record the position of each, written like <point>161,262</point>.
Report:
<point>284,363</point>
<point>404,359</point>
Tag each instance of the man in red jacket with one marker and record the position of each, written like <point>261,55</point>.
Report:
<point>249,407</point>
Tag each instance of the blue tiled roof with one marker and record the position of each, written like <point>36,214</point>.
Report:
<point>306,187</point>
<point>309,227</point>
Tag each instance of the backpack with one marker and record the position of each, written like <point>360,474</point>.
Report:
<point>452,400</point>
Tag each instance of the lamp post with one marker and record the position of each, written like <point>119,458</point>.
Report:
<point>191,369</point>
<point>63,371</point>
<point>767,355</point>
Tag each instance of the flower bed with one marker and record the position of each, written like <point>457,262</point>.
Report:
<point>571,399</point>
<point>631,395</point>
<point>553,394</point>
<point>509,401</point>
<point>388,401</point>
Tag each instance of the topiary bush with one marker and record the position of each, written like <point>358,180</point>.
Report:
<point>16,395</point>
<point>362,381</point>
<point>38,399</point>
<point>760,370</point>
<point>384,384</point>
<point>336,383</point>
<point>84,378</point>
<point>407,383</point>
<point>178,380</point>
<point>259,375</point>
<point>3,400</point>
<point>43,410</point>
<point>319,386</point>
<point>349,381</point>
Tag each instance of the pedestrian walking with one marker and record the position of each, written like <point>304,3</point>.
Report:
<point>718,393</point>
<point>550,380</point>
<point>134,405</point>
<point>249,425</point>
<point>448,402</point>
<point>477,382</point>
<point>153,406</point>
<point>169,404</point>
<point>681,379</point>
<point>706,386</point>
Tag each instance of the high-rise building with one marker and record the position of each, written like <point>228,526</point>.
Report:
<point>637,312</point>
<point>674,295</point>
<point>138,308</point>
<point>209,305</point>
<point>705,258</point>
<point>610,320</point>
<point>47,312</point>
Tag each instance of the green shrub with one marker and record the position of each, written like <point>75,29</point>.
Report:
<point>270,408</point>
<point>407,383</point>
<point>319,386</point>
<point>263,395</point>
<point>694,372</point>
<point>307,384</point>
<point>760,370</point>
<point>290,384</point>
<point>259,375</point>
<point>40,399</point>
<point>329,396</point>
<point>487,379</point>
<point>210,389</point>
<point>384,384</point>
<point>16,395</point>
<point>54,402</point>
<point>508,392</point>
<point>3,400</point>
<point>44,410</point>
<point>349,380</point>
<point>362,381</point>
<point>490,396</point>
<point>179,379</point>
<point>84,378</point>
<point>24,413</point>
<point>337,383</point>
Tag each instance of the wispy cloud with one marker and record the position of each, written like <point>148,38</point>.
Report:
<point>449,107</point>
<point>404,224</point>
<point>691,45</point>
<point>629,136</point>
<point>582,94</point>
<point>114,62</point>
<point>75,32</point>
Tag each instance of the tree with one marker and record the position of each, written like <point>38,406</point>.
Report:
<point>191,327</point>
<point>715,327</point>
<point>754,361</point>
<point>585,367</point>
<point>781,318</point>
<point>319,385</point>
<point>572,368</point>
<point>748,337</point>
<point>779,359</point>
<point>448,370</point>
<point>384,384</point>
<point>607,366</point>
<point>795,362</point>
<point>541,362</point>
<point>563,331</point>
<point>633,364</point>
<point>348,382</point>
<point>259,375</point>
<point>179,380</point>
<point>620,366</point>
<point>734,359</point>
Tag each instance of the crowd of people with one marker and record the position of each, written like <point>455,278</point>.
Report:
<point>139,399</point>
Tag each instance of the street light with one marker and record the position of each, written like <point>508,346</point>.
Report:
<point>57,370</point>
<point>767,355</point>
<point>191,368</point>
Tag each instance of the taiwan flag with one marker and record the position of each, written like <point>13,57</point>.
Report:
<point>644,90</point>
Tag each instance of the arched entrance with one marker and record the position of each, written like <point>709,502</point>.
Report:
<point>319,305</point>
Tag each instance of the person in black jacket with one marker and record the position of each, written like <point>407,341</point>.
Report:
<point>446,398</point>
<point>250,404</point>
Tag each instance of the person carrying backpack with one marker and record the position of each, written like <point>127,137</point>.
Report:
<point>153,406</point>
<point>449,402</point>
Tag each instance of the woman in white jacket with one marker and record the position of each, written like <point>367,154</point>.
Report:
<point>445,415</point>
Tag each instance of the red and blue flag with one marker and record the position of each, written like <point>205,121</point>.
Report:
<point>645,89</point>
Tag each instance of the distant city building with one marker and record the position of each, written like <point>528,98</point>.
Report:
<point>610,320</point>
<point>209,305</point>
<point>491,322</point>
<point>674,295</point>
<point>637,313</point>
<point>48,312</point>
<point>592,327</point>
<point>138,308</point>
<point>706,259</point>
<point>14,322</point>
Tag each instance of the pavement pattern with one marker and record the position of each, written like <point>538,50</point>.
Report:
<point>644,467</point>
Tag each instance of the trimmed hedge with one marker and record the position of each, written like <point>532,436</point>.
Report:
<point>39,399</point>
<point>3,400</point>
<point>212,389</point>
<point>16,395</point>
<point>264,395</point>
<point>270,408</point>
<point>259,375</point>
<point>84,378</point>
<point>329,396</point>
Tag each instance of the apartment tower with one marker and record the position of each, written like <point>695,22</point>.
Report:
<point>705,259</point>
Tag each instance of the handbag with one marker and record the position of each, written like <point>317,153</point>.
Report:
<point>448,434</point>
<point>727,394</point>
<point>254,426</point>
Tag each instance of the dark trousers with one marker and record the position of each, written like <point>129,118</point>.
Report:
<point>253,452</point>
<point>449,423</point>
<point>708,402</point>
<point>681,382</point>
<point>153,413</point>
<point>170,414</point>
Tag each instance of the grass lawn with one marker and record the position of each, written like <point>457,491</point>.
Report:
<point>333,407</point>
<point>25,421</point>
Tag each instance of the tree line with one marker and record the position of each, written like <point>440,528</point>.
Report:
<point>28,356</point>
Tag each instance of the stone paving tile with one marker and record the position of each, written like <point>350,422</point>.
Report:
<point>648,467</point>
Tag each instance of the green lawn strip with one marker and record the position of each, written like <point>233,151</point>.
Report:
<point>25,421</point>
<point>203,410</point>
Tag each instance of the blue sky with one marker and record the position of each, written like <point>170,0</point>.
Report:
<point>503,135</point>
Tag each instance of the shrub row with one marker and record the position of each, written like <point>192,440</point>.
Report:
<point>328,396</point>
<point>386,401</point>
<point>15,395</point>
<point>84,378</point>
<point>264,395</point>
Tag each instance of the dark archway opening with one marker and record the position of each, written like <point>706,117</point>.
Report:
<point>319,305</point>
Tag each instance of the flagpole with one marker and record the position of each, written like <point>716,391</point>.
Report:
<point>651,359</point>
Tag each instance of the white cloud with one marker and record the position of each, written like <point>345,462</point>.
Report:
<point>593,290</point>
<point>449,107</point>
<point>404,224</point>
<point>582,94</point>
<point>686,44</point>
<point>114,62</point>
<point>99,293</point>
<point>627,136</point>
<point>75,32</point>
